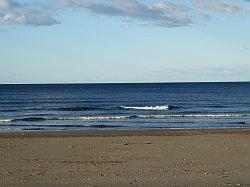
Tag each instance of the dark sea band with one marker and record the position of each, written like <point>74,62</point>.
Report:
<point>124,106</point>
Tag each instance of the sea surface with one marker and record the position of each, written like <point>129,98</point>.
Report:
<point>82,107</point>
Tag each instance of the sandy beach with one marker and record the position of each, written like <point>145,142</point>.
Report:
<point>215,157</point>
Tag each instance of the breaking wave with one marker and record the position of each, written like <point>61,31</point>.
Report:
<point>5,120</point>
<point>126,117</point>
<point>164,107</point>
<point>155,116</point>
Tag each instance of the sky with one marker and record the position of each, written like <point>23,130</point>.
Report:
<point>104,41</point>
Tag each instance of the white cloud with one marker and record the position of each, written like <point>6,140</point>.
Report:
<point>13,12</point>
<point>162,13</point>
<point>221,6</point>
<point>165,13</point>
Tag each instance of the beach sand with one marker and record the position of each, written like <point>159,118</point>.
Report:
<point>215,157</point>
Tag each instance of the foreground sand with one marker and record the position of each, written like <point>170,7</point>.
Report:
<point>125,158</point>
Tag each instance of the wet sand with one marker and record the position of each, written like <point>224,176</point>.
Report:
<point>215,157</point>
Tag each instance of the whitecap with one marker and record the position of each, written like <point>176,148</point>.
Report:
<point>5,120</point>
<point>164,107</point>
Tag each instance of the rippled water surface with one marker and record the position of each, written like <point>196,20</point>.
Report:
<point>123,106</point>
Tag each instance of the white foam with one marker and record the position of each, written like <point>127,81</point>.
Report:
<point>165,107</point>
<point>10,129</point>
<point>94,118</point>
<point>5,120</point>
<point>195,116</point>
<point>154,116</point>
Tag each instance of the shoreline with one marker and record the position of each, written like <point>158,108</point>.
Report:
<point>122,133</point>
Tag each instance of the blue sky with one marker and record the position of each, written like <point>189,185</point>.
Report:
<point>86,41</point>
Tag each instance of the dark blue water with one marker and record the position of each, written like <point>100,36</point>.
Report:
<point>123,106</point>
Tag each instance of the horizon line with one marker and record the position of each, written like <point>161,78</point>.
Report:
<point>187,82</point>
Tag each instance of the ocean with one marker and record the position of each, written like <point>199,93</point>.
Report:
<point>91,107</point>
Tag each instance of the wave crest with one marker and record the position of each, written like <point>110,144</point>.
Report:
<point>155,116</point>
<point>163,107</point>
<point>5,120</point>
<point>124,117</point>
